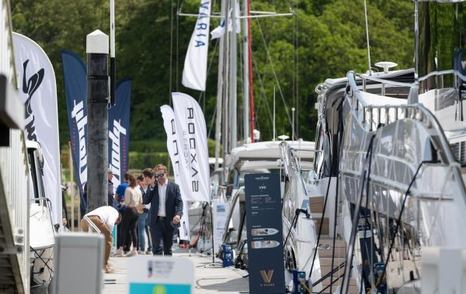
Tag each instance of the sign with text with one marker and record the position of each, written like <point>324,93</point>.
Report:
<point>264,230</point>
<point>160,275</point>
<point>219,209</point>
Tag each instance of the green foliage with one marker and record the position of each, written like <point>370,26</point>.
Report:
<point>149,153</point>
<point>149,145</point>
<point>141,160</point>
<point>291,54</point>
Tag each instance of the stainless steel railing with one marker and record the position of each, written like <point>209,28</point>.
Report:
<point>14,196</point>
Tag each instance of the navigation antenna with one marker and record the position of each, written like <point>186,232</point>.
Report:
<point>367,39</point>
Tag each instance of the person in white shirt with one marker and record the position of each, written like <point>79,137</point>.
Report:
<point>104,218</point>
<point>165,211</point>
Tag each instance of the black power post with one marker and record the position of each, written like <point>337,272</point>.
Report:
<point>97,118</point>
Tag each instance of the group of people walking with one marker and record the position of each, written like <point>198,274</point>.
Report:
<point>147,205</point>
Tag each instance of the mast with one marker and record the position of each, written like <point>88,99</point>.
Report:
<point>245,22</point>
<point>232,84</point>
<point>218,118</point>
<point>225,95</point>
<point>251,84</point>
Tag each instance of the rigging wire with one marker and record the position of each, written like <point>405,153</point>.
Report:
<point>213,56</point>
<point>170,78</point>
<point>274,73</point>
<point>367,37</point>
<point>350,254</point>
<point>241,82</point>
<point>340,143</point>
<point>323,211</point>
<point>211,125</point>
<point>202,95</point>
<point>397,225</point>
<point>296,69</point>
<point>262,95</point>
<point>177,73</point>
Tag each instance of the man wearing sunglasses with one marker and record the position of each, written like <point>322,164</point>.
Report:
<point>166,210</point>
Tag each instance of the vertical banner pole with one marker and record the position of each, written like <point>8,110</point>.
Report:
<point>72,193</point>
<point>212,231</point>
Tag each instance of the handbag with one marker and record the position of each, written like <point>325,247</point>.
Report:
<point>140,208</point>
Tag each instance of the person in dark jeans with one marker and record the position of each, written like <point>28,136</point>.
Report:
<point>133,203</point>
<point>83,202</point>
<point>165,211</point>
<point>119,199</point>
<point>146,186</point>
<point>110,188</point>
<point>141,223</point>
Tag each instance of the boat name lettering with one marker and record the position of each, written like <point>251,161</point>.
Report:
<point>202,27</point>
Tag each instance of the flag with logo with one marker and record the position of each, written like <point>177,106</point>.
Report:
<point>195,63</point>
<point>118,131</point>
<point>74,77</point>
<point>193,151</point>
<point>38,90</point>
<point>174,151</point>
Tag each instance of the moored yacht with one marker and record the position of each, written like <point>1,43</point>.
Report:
<point>391,151</point>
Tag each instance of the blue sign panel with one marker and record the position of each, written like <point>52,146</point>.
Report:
<point>264,231</point>
<point>141,288</point>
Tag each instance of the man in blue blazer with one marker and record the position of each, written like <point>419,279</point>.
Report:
<point>166,209</point>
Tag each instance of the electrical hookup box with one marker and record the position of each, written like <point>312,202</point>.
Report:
<point>78,263</point>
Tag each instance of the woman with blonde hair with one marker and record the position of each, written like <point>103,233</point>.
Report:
<point>133,203</point>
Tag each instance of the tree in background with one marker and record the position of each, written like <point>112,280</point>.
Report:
<point>293,54</point>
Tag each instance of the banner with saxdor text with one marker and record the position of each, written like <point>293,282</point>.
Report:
<point>194,154</point>
<point>174,151</point>
<point>74,72</point>
<point>195,63</point>
<point>38,90</point>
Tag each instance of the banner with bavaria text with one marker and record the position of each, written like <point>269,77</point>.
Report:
<point>195,63</point>
<point>38,91</point>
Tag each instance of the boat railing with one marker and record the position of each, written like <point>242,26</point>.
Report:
<point>291,163</point>
<point>374,116</point>
<point>436,79</point>
<point>43,201</point>
<point>366,79</point>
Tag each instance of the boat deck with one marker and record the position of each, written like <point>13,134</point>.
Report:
<point>208,277</point>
